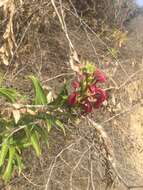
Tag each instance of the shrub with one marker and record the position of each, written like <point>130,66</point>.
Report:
<point>23,126</point>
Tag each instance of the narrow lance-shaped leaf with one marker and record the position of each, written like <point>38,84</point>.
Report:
<point>35,142</point>
<point>50,123</point>
<point>40,97</point>
<point>34,139</point>
<point>9,168</point>
<point>19,162</point>
<point>43,133</point>
<point>9,94</point>
<point>60,125</point>
<point>3,153</point>
<point>16,115</point>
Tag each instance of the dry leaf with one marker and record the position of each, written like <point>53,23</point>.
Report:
<point>4,55</point>
<point>16,115</point>
<point>50,97</point>
<point>6,50</point>
<point>3,2</point>
<point>113,99</point>
<point>31,112</point>
<point>16,106</point>
<point>74,62</point>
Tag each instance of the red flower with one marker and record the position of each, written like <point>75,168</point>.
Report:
<point>72,99</point>
<point>75,84</point>
<point>100,77</point>
<point>101,96</point>
<point>87,106</point>
<point>92,88</point>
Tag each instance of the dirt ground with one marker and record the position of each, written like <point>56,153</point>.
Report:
<point>77,162</point>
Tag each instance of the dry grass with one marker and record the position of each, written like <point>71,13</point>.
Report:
<point>105,151</point>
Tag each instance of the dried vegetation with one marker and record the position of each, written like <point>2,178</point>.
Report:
<point>50,39</point>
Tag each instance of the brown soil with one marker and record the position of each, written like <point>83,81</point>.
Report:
<point>70,163</point>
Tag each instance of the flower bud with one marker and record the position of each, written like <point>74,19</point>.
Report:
<point>75,84</point>
<point>101,96</point>
<point>72,99</point>
<point>92,88</point>
<point>99,76</point>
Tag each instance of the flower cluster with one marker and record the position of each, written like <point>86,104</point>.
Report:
<point>86,93</point>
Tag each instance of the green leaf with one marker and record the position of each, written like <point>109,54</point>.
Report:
<point>49,126</point>
<point>62,97</point>
<point>49,123</point>
<point>43,133</point>
<point>19,163</point>
<point>9,168</point>
<point>35,142</point>
<point>3,153</point>
<point>60,125</point>
<point>34,138</point>
<point>9,94</point>
<point>40,96</point>
<point>22,142</point>
<point>89,68</point>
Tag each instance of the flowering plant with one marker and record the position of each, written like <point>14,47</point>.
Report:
<point>86,93</point>
<point>23,125</point>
